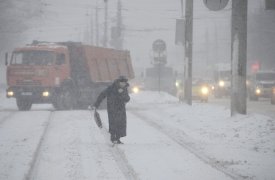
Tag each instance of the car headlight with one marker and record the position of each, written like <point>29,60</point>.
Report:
<point>135,90</point>
<point>204,90</point>
<point>10,93</point>
<point>258,91</point>
<point>177,84</point>
<point>46,94</point>
<point>221,83</point>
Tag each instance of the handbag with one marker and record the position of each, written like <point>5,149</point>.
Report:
<point>97,119</point>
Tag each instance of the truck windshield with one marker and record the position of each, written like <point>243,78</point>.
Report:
<point>265,76</point>
<point>33,58</point>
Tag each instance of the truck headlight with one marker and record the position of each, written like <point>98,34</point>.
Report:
<point>135,89</point>
<point>204,90</point>
<point>258,91</point>
<point>221,83</point>
<point>10,93</point>
<point>46,94</point>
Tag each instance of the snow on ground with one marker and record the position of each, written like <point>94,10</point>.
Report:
<point>166,140</point>
<point>244,144</point>
<point>19,136</point>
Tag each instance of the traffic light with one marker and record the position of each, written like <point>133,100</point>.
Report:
<point>255,67</point>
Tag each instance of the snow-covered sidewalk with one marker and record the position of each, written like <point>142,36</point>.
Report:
<point>243,145</point>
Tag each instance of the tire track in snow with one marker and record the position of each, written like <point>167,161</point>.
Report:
<point>174,135</point>
<point>36,154</point>
<point>120,158</point>
<point>73,153</point>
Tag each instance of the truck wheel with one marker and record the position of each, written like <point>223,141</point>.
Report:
<point>63,100</point>
<point>23,104</point>
<point>67,99</point>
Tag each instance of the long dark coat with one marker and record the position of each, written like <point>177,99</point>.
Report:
<point>116,108</point>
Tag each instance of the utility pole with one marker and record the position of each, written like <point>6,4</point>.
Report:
<point>96,25</point>
<point>238,56</point>
<point>116,31</point>
<point>188,51</point>
<point>87,32</point>
<point>119,26</point>
<point>105,40</point>
<point>181,2</point>
<point>92,28</point>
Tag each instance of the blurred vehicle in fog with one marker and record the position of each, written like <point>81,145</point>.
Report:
<point>260,85</point>
<point>200,90</point>
<point>222,80</point>
<point>136,85</point>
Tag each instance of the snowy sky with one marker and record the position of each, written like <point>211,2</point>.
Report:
<point>144,21</point>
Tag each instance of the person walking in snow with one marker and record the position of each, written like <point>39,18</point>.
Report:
<point>117,97</point>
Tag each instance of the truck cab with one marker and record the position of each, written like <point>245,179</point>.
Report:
<point>34,71</point>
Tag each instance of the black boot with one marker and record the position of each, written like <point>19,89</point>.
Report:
<point>119,142</point>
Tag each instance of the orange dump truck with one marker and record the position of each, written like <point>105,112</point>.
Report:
<point>68,75</point>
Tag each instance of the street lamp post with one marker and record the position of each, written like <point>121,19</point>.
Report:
<point>239,56</point>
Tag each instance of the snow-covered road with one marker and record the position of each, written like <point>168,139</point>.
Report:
<point>166,140</point>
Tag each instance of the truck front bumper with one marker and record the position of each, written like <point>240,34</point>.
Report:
<point>35,94</point>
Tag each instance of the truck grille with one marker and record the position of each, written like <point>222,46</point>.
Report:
<point>28,83</point>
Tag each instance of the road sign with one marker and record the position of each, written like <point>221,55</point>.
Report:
<point>215,5</point>
<point>159,46</point>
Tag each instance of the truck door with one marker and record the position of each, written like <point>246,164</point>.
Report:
<point>61,69</point>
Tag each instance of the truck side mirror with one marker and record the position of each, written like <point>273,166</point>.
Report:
<point>6,58</point>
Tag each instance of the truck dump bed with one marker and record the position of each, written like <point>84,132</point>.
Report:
<point>105,65</point>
